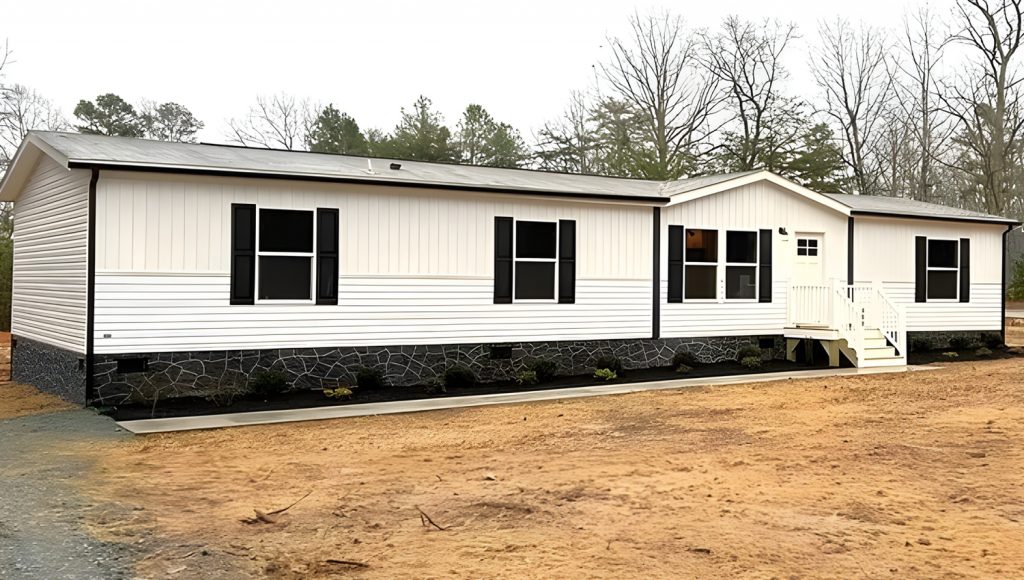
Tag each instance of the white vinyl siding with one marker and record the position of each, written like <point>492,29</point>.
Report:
<point>416,267</point>
<point>51,226</point>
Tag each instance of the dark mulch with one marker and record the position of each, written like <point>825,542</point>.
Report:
<point>965,355</point>
<point>187,406</point>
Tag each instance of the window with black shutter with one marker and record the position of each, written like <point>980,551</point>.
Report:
<point>534,261</point>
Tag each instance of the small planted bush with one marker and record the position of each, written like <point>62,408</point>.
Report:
<point>545,369</point>
<point>608,361</point>
<point>605,374</point>
<point>369,378</point>
<point>751,362</point>
<point>684,358</point>
<point>950,355</point>
<point>459,377</point>
<point>268,383</point>
<point>962,342</point>
<point>526,378</point>
<point>983,352</point>
<point>922,345</point>
<point>435,386</point>
<point>749,351</point>
<point>684,369</point>
<point>992,339</point>
<point>339,392</point>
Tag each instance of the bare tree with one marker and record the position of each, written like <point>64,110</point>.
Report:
<point>570,143</point>
<point>22,110</point>
<point>276,121</point>
<point>746,58</point>
<point>657,72</point>
<point>851,70</point>
<point>987,107</point>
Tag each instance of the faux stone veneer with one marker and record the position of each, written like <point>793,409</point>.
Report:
<point>48,368</point>
<point>943,339</point>
<point>226,373</point>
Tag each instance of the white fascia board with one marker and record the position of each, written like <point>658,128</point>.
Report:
<point>754,178</point>
<point>20,167</point>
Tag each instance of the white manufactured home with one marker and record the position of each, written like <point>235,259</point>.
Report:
<point>146,267</point>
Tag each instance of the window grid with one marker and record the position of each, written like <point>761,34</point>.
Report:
<point>722,266</point>
<point>806,247</point>
<point>756,265</point>
<point>260,253</point>
<point>929,269</point>
<point>516,260</point>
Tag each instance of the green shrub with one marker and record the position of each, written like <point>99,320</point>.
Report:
<point>684,369</point>
<point>922,344</point>
<point>950,355</point>
<point>608,361</point>
<point>369,378</point>
<point>749,351</point>
<point>459,377</point>
<point>605,374</point>
<point>963,342</point>
<point>545,369</point>
<point>992,339</point>
<point>435,386</point>
<point>983,352</point>
<point>526,378</point>
<point>1015,291</point>
<point>751,362</point>
<point>339,392</point>
<point>268,383</point>
<point>684,358</point>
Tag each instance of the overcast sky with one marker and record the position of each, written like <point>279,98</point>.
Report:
<point>520,59</point>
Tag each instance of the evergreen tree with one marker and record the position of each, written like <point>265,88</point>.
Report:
<point>422,136</point>
<point>483,141</point>
<point>109,115</point>
<point>170,122</point>
<point>335,132</point>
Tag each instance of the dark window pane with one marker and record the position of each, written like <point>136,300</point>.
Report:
<point>284,278</point>
<point>812,243</point>
<point>701,282</point>
<point>535,240</point>
<point>286,230</point>
<point>741,247</point>
<point>535,280</point>
<point>701,246</point>
<point>801,251</point>
<point>812,252</point>
<point>740,282</point>
<point>942,284</point>
<point>942,253</point>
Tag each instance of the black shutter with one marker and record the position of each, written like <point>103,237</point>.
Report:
<point>675,263</point>
<point>764,284</point>
<point>965,270</point>
<point>920,269</point>
<point>243,253</point>
<point>502,260</point>
<point>566,261</point>
<point>326,256</point>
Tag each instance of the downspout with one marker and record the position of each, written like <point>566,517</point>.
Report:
<point>1002,298</point>
<point>849,251</point>
<point>656,277</point>
<point>90,291</point>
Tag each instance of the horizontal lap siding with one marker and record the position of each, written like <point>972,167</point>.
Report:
<point>148,313</point>
<point>51,257</point>
<point>688,319</point>
<point>983,312</point>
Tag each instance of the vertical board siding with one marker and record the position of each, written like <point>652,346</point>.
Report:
<point>416,267</point>
<point>49,283</point>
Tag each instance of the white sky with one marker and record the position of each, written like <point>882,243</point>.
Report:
<point>520,60</point>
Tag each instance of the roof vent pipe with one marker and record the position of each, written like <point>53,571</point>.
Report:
<point>396,166</point>
<point>369,165</point>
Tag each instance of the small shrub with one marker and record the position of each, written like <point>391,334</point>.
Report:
<point>983,352</point>
<point>268,383</point>
<point>369,378</point>
<point>608,361</point>
<point>751,362</point>
<point>435,386</point>
<point>605,374</point>
<point>992,339</point>
<point>749,351</point>
<point>922,344</point>
<point>526,378</point>
<point>459,377</point>
<point>339,392</point>
<point>545,369</point>
<point>684,358</point>
<point>684,369</point>
<point>950,355</point>
<point>962,342</point>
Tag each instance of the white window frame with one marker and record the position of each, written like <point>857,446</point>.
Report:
<point>310,255</point>
<point>719,273</point>
<point>808,247</point>
<point>756,264</point>
<point>516,260</point>
<point>929,269</point>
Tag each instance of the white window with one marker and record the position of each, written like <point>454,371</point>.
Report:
<point>535,251</point>
<point>806,247</point>
<point>708,277</point>
<point>943,269</point>
<point>700,256</point>
<point>741,265</point>
<point>285,247</point>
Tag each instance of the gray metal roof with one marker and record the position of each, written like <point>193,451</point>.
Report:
<point>902,207</point>
<point>77,150</point>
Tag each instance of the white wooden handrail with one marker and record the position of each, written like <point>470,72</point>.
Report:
<point>849,309</point>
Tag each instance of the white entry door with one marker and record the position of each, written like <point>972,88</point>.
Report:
<point>808,264</point>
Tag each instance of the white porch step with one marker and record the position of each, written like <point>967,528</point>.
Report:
<point>877,352</point>
<point>895,361</point>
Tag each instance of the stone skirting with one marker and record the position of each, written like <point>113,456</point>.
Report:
<point>48,368</point>
<point>942,339</point>
<point>226,373</point>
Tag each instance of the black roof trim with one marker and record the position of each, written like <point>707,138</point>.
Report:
<point>358,181</point>
<point>944,218</point>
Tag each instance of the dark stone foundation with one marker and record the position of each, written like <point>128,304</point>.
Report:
<point>942,339</point>
<point>48,368</point>
<point>225,374</point>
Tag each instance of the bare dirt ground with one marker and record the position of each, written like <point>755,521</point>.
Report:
<point>903,475</point>
<point>19,400</point>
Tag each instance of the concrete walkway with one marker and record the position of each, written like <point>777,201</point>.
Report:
<point>169,424</point>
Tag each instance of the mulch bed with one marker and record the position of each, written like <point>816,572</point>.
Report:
<point>966,355</point>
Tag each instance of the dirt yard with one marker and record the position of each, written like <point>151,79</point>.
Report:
<point>908,475</point>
